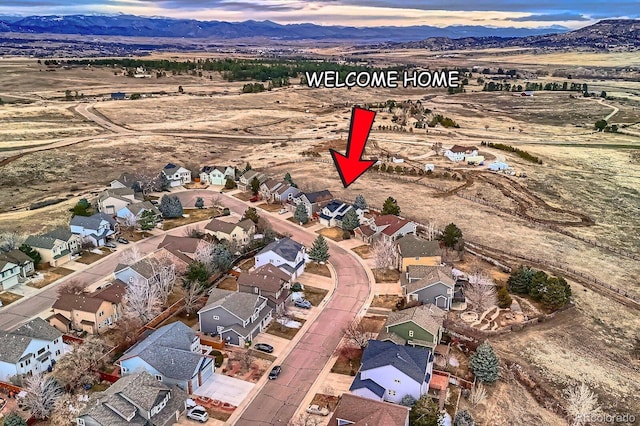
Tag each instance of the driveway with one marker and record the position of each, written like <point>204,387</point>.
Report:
<point>278,343</point>
<point>225,389</point>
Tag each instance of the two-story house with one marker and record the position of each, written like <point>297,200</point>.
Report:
<point>268,189</point>
<point>27,267</point>
<point>267,281</point>
<point>389,372</point>
<point>90,312</point>
<point>136,399</point>
<point>357,411</point>
<point>239,233</point>
<point>286,254</point>
<point>183,250</point>
<point>146,270</point>
<point>244,183</point>
<point>333,213</point>
<point>56,247</point>
<point>176,175</point>
<point>126,180</point>
<point>95,228</point>
<point>313,201</point>
<point>172,354</point>
<point>9,273</point>
<point>217,175</point>
<point>459,153</point>
<point>428,284</point>
<point>132,213</point>
<point>30,349</point>
<point>111,200</point>
<point>413,250</point>
<point>285,193</point>
<point>418,326</point>
<point>386,226</point>
<point>236,317</point>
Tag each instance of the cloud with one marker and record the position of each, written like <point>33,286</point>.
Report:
<point>552,17</point>
<point>230,5</point>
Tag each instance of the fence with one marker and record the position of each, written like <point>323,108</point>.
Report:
<point>8,387</point>
<point>70,340</point>
<point>111,378</point>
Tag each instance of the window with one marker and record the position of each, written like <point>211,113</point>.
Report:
<point>396,380</point>
<point>256,290</point>
<point>392,392</point>
<point>158,377</point>
<point>216,317</point>
<point>125,369</point>
<point>41,351</point>
<point>101,313</point>
<point>417,257</point>
<point>410,333</point>
<point>80,422</point>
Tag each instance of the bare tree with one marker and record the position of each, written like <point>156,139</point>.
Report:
<point>65,410</point>
<point>192,294</point>
<point>149,181</point>
<point>164,271</point>
<point>246,360</point>
<point>71,286</point>
<point>126,330</point>
<point>80,366</point>
<point>42,393</point>
<point>360,332</point>
<point>384,253</point>
<point>130,255</point>
<point>478,394</point>
<point>10,240</point>
<point>142,301</point>
<point>582,405</point>
<point>305,419</point>
<point>432,231</point>
<point>349,352</point>
<point>481,294</point>
<point>129,222</point>
<point>194,232</point>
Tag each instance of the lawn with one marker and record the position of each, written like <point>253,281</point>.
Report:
<point>386,275</point>
<point>329,401</point>
<point>363,251</point>
<point>88,257</point>
<point>6,297</point>
<point>306,225</point>
<point>317,269</point>
<point>229,283</point>
<point>333,233</point>
<point>387,301</point>
<point>280,330</point>
<point>375,322</point>
<point>345,366</point>
<point>50,276</point>
<point>194,215</point>
<point>247,264</point>
<point>314,295</point>
<point>133,234</point>
<point>182,317</point>
<point>244,196</point>
<point>270,207</point>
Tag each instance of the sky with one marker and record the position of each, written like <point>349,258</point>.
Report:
<point>361,13</point>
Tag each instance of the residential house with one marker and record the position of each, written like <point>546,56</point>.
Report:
<point>413,250</point>
<point>418,326</point>
<point>95,228</point>
<point>240,233</point>
<point>285,193</point>
<point>358,411</point>
<point>74,242</point>
<point>111,200</point>
<point>93,313</point>
<point>244,183</point>
<point>147,270</point>
<point>268,189</point>
<point>286,254</point>
<point>428,284</point>
<point>236,317</point>
<point>217,175</point>
<point>313,201</point>
<point>132,213</point>
<point>267,281</point>
<point>126,180</point>
<point>332,214</point>
<point>9,273</point>
<point>173,355</point>
<point>386,226</point>
<point>27,268</point>
<point>459,153</point>
<point>176,175</point>
<point>30,349</point>
<point>389,372</point>
<point>183,250</point>
<point>56,247</point>
<point>136,399</point>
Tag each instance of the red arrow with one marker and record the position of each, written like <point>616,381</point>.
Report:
<point>351,166</point>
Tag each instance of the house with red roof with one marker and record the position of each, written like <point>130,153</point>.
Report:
<point>385,226</point>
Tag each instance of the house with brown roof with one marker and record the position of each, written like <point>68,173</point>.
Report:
<point>285,193</point>
<point>459,153</point>
<point>239,233</point>
<point>358,411</point>
<point>90,312</point>
<point>182,250</point>
<point>27,267</point>
<point>267,281</point>
<point>413,250</point>
<point>386,226</point>
<point>418,326</point>
<point>244,183</point>
<point>428,284</point>
<point>268,189</point>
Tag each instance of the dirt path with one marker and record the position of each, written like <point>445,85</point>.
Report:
<point>614,112</point>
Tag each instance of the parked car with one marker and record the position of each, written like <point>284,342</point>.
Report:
<point>254,199</point>
<point>198,413</point>
<point>302,303</point>
<point>282,211</point>
<point>154,202</point>
<point>109,244</point>
<point>263,347</point>
<point>275,372</point>
<point>123,240</point>
<point>316,409</point>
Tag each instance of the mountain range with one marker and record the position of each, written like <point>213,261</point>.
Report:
<point>137,26</point>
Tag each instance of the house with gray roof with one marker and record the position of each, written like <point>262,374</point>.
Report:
<point>132,213</point>
<point>217,175</point>
<point>146,269</point>
<point>313,201</point>
<point>413,250</point>
<point>136,399</point>
<point>176,175</point>
<point>111,200</point>
<point>55,247</point>
<point>15,256</point>
<point>30,349</point>
<point>9,273</point>
<point>172,354</point>
<point>428,284</point>
<point>268,189</point>
<point>234,316</point>
<point>286,254</point>
<point>418,326</point>
<point>332,214</point>
<point>126,180</point>
<point>95,228</point>
<point>285,193</point>
<point>389,372</point>
<point>239,233</point>
<point>244,183</point>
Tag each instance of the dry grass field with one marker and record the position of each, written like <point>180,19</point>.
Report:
<point>584,176</point>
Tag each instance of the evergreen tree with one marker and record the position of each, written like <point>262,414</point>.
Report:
<point>255,186</point>
<point>555,293</point>
<point>229,183</point>
<point>538,285</point>
<point>425,412</point>
<point>147,220</point>
<point>319,252</point>
<point>197,272</point>
<point>221,259</point>
<point>31,252</point>
<point>199,202</point>
<point>170,206</point>
<point>350,220</point>
<point>360,202</point>
<point>164,182</point>
<point>300,214</point>
<point>451,235</point>
<point>485,364</point>
<point>390,206</point>
<point>520,280</point>
<point>82,208</point>
<point>247,167</point>
<point>13,419</point>
<point>288,179</point>
<point>251,213</point>
<point>504,298</point>
<point>408,401</point>
<point>463,418</point>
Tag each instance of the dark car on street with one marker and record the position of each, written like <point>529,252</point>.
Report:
<point>275,372</point>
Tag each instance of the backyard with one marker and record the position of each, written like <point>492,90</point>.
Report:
<point>190,216</point>
<point>387,301</point>
<point>48,277</point>
<point>229,283</point>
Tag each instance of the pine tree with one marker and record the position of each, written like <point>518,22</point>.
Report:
<point>390,206</point>
<point>485,364</point>
<point>300,214</point>
<point>555,294</point>
<point>288,178</point>
<point>451,235</point>
<point>199,202</point>
<point>319,252</point>
<point>504,298</point>
<point>538,285</point>
<point>251,213</point>
<point>170,206</point>
<point>147,220</point>
<point>425,412</point>
<point>463,418</point>
<point>31,252</point>
<point>13,419</point>
<point>255,186</point>
<point>350,220</point>
<point>520,280</point>
<point>229,183</point>
<point>360,202</point>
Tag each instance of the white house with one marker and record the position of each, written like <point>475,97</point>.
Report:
<point>217,175</point>
<point>176,175</point>
<point>244,183</point>
<point>333,213</point>
<point>389,372</point>
<point>31,349</point>
<point>95,228</point>
<point>112,200</point>
<point>286,254</point>
<point>497,166</point>
<point>313,201</point>
<point>459,153</point>
<point>15,256</point>
<point>9,274</point>
<point>285,193</point>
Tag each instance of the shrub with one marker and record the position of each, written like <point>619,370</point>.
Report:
<point>504,298</point>
<point>219,358</point>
